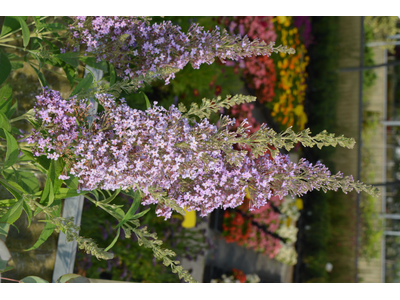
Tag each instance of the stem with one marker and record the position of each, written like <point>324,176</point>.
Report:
<point>11,46</point>
<point>9,279</point>
<point>20,37</point>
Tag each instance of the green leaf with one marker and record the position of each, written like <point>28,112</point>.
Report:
<point>48,193</point>
<point>114,210</point>
<point>44,161</point>
<point>26,35</point>
<point>72,182</point>
<point>148,105</point>
<point>113,76</point>
<point>36,43</point>
<point>28,212</point>
<point>141,214</point>
<point>28,154</point>
<point>12,151</point>
<point>13,213</point>
<point>132,210</point>
<point>5,256</point>
<point>15,65</point>
<point>56,26</point>
<point>5,98</point>
<point>114,241</point>
<point>5,67</point>
<point>16,192</point>
<point>70,73</point>
<point>12,111</point>
<point>38,22</point>
<point>70,58</point>
<point>8,268</point>
<point>95,194</point>
<point>10,24</point>
<point>4,122</point>
<point>26,180</point>
<point>72,278</point>
<point>53,46</point>
<point>83,85</point>
<point>44,235</point>
<point>33,279</point>
<point>48,227</point>
<point>112,197</point>
<point>7,202</point>
<point>4,228</point>
<point>64,193</point>
<point>92,62</point>
<point>41,77</point>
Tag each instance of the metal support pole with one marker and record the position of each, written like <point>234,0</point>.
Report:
<point>360,117</point>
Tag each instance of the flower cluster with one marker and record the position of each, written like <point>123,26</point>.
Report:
<point>259,71</point>
<point>237,276</point>
<point>139,49</point>
<point>279,224</point>
<point>174,161</point>
<point>288,107</point>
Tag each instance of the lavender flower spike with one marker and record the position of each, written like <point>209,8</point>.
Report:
<point>174,162</point>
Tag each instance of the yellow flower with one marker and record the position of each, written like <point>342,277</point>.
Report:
<point>276,107</point>
<point>299,203</point>
<point>299,110</point>
<point>281,19</point>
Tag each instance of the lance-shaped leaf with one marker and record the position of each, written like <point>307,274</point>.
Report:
<point>12,150</point>
<point>44,235</point>
<point>70,73</point>
<point>4,122</point>
<point>111,198</point>
<point>5,98</point>
<point>5,67</point>
<point>33,279</point>
<point>132,210</point>
<point>12,109</point>
<point>8,202</point>
<point>92,62</point>
<point>48,192</point>
<point>26,180</point>
<point>113,76</point>
<point>64,193</point>
<point>15,191</point>
<point>70,58</point>
<point>114,241</point>
<point>148,105</point>
<point>26,35</point>
<point>10,24</point>
<point>41,77</point>
<point>28,212</point>
<point>48,227</point>
<point>13,213</point>
<point>84,84</point>
<point>72,278</point>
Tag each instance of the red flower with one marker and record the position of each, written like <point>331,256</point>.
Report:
<point>218,90</point>
<point>195,92</point>
<point>239,275</point>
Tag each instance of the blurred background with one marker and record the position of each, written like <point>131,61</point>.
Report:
<point>343,78</point>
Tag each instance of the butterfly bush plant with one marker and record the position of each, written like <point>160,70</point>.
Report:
<point>173,158</point>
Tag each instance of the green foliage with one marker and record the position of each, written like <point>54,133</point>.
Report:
<point>5,67</point>
<point>382,27</point>
<point>132,260</point>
